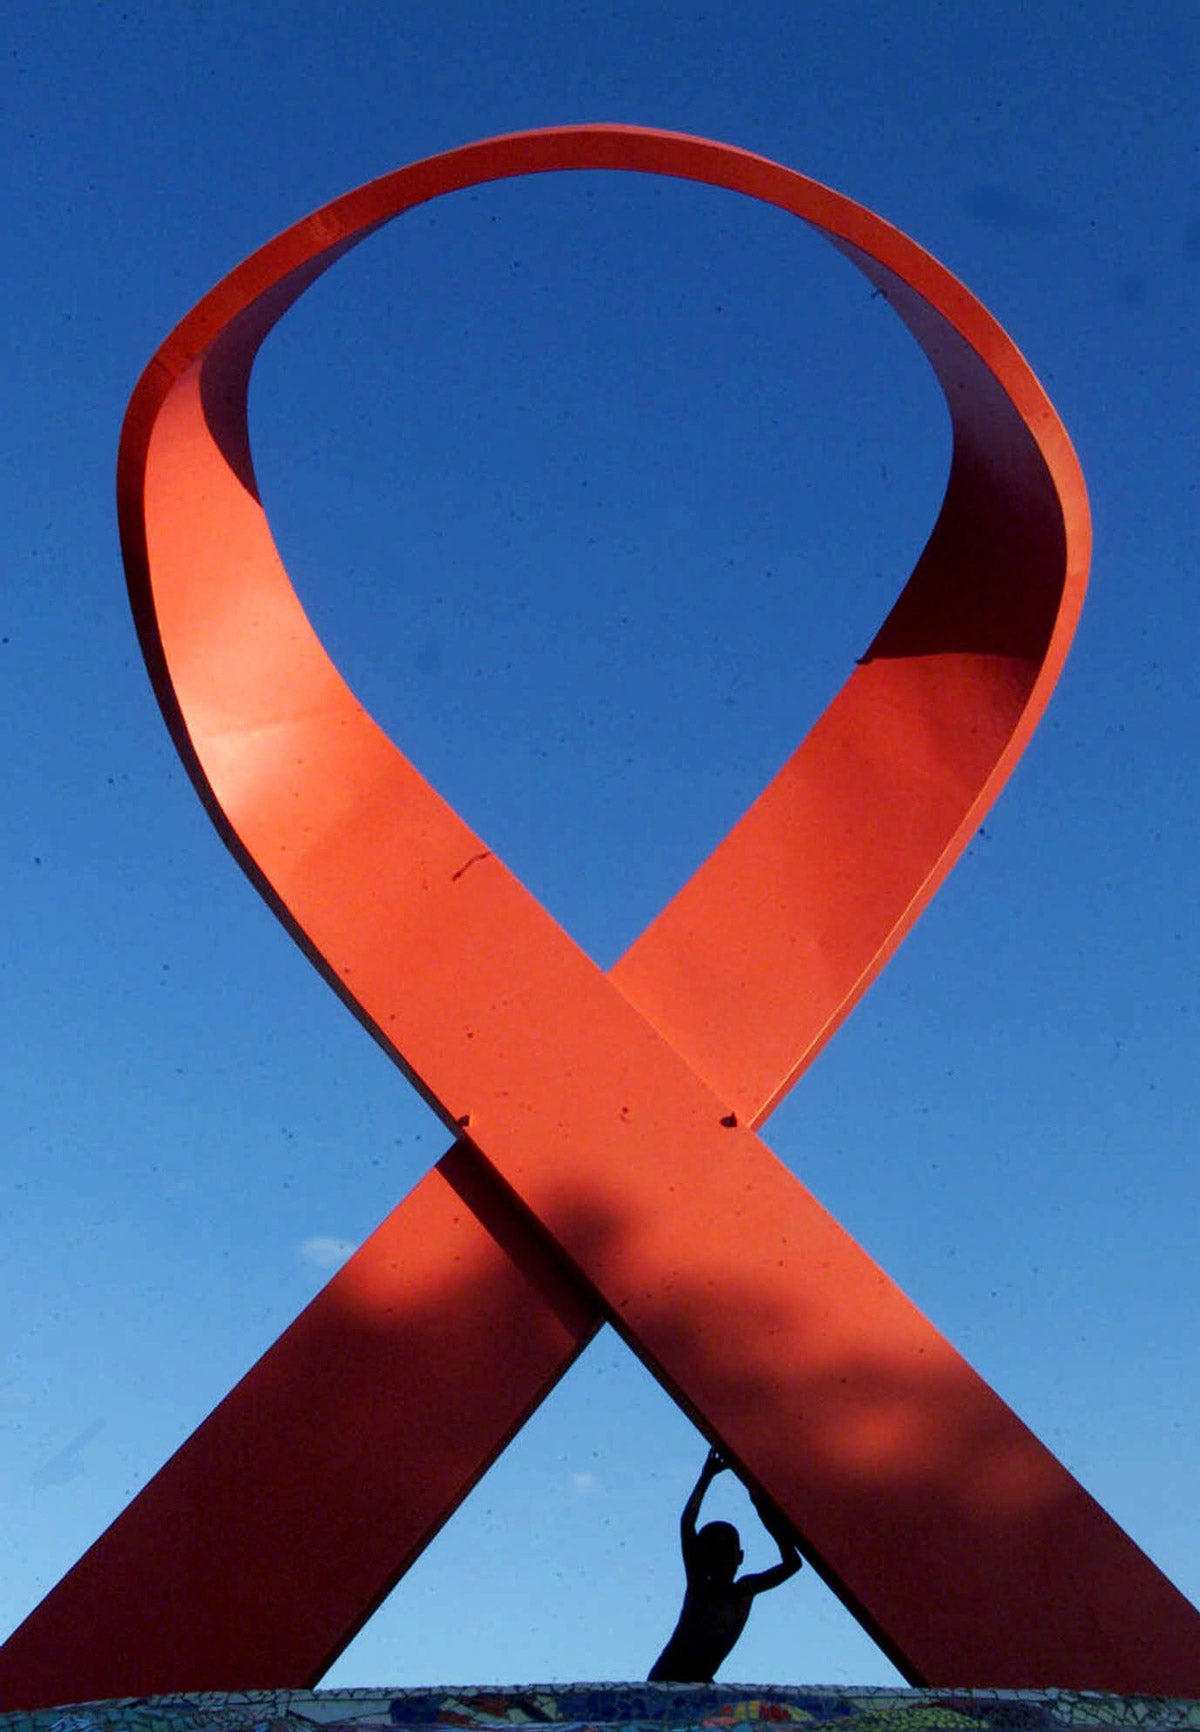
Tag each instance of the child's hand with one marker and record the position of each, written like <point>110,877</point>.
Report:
<point>766,1509</point>
<point>716,1462</point>
<point>774,1520</point>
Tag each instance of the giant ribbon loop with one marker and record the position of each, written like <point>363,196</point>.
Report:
<point>610,1168</point>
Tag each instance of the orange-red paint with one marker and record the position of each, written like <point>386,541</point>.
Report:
<point>612,1170</point>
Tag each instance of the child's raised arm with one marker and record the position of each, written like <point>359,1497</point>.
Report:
<point>714,1464</point>
<point>780,1530</point>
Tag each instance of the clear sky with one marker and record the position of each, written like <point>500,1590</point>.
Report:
<point>596,486</point>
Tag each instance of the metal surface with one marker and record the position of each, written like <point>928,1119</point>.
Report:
<point>612,1169</point>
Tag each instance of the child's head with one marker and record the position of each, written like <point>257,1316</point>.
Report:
<point>719,1550</point>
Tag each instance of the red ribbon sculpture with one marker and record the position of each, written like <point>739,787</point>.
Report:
<point>610,1170</point>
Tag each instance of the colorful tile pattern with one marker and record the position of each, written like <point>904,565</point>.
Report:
<point>629,1707</point>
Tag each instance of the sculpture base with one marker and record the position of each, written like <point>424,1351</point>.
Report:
<point>597,1707</point>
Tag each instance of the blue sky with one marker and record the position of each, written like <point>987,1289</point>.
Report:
<point>595,486</point>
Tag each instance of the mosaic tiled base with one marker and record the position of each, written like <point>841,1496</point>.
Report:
<point>630,1707</point>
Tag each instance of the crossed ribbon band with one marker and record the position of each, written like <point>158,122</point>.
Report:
<point>610,1168</point>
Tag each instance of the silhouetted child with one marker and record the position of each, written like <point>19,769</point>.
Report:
<point>717,1601</point>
